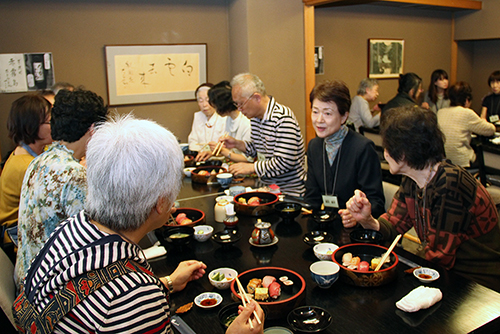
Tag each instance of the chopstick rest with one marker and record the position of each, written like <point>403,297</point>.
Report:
<point>419,298</point>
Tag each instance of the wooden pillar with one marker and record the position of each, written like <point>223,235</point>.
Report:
<point>310,75</point>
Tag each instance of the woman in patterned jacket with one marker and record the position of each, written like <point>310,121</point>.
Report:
<point>453,214</point>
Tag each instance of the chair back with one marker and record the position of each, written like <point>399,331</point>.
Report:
<point>7,286</point>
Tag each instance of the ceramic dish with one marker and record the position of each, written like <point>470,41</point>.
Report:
<point>224,283</point>
<point>277,330</point>
<point>203,232</point>
<point>208,300</point>
<point>188,170</point>
<point>315,237</point>
<point>324,251</point>
<point>326,216</point>
<point>274,242</point>
<point>226,237</point>
<point>366,236</point>
<point>426,275</point>
<point>309,319</point>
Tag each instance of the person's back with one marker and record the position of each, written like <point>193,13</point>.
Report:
<point>54,186</point>
<point>409,89</point>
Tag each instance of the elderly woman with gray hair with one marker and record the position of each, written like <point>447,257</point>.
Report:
<point>93,259</point>
<point>360,113</point>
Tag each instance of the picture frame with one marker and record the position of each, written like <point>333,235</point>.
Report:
<point>138,74</point>
<point>385,58</point>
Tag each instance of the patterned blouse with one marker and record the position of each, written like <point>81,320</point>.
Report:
<point>459,224</point>
<point>54,188</point>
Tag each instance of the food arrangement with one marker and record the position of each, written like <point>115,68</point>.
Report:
<point>213,172</point>
<point>253,201</point>
<point>182,219</point>
<point>267,288</point>
<point>355,263</point>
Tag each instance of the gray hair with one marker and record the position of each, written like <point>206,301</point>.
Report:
<point>131,164</point>
<point>366,83</point>
<point>249,83</point>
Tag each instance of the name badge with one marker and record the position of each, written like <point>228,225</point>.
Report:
<point>494,118</point>
<point>330,201</point>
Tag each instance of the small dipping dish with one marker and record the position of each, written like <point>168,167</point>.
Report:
<point>208,300</point>
<point>426,275</point>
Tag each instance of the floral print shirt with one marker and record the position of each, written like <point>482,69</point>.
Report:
<point>54,188</point>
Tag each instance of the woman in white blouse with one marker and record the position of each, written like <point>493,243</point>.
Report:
<point>360,113</point>
<point>237,124</point>
<point>207,124</point>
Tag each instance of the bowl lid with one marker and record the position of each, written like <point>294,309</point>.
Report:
<point>309,319</point>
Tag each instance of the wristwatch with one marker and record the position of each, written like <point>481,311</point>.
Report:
<point>170,284</point>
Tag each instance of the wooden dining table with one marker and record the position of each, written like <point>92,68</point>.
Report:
<point>466,306</point>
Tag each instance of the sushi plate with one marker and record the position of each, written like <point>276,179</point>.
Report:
<point>274,242</point>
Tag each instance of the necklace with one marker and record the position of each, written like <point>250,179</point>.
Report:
<point>336,169</point>
<point>421,219</point>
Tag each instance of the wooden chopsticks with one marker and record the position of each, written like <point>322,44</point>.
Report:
<point>243,297</point>
<point>219,146</point>
<point>382,261</point>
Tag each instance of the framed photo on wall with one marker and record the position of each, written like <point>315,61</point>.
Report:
<point>385,58</point>
<point>154,73</point>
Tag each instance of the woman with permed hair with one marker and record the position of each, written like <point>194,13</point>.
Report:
<point>29,128</point>
<point>237,124</point>
<point>452,213</point>
<point>339,160</point>
<point>437,95</point>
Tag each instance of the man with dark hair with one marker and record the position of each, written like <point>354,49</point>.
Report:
<point>409,90</point>
<point>54,186</point>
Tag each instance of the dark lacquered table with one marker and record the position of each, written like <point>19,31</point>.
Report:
<point>466,306</point>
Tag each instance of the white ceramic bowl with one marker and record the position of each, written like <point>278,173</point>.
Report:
<point>324,273</point>
<point>203,232</point>
<point>188,170</point>
<point>208,295</point>
<point>426,275</point>
<point>324,251</point>
<point>224,179</point>
<point>229,275</point>
<point>228,198</point>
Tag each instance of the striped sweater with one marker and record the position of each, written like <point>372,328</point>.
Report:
<point>133,303</point>
<point>278,139</point>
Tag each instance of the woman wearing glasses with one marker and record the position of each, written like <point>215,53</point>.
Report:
<point>237,125</point>
<point>207,124</point>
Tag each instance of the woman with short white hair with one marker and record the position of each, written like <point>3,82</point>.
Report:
<point>360,113</point>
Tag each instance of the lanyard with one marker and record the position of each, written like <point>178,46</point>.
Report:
<point>29,149</point>
<point>336,170</point>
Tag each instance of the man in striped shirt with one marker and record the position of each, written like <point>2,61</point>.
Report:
<point>276,140</point>
<point>134,174</point>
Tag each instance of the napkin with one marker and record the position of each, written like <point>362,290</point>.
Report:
<point>154,251</point>
<point>419,298</point>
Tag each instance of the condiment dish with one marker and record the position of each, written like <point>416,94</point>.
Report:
<point>203,232</point>
<point>324,251</point>
<point>426,275</point>
<point>208,299</point>
<point>221,278</point>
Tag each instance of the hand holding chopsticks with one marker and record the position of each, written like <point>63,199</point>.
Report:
<point>243,297</point>
<point>219,145</point>
<point>382,261</point>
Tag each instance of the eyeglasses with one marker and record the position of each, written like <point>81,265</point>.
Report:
<point>240,106</point>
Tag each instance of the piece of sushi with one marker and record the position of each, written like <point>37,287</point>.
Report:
<point>254,201</point>
<point>274,290</point>
<point>253,284</point>
<point>288,285</point>
<point>261,294</point>
<point>267,280</point>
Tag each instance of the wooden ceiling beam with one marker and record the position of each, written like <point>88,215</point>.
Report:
<point>452,4</point>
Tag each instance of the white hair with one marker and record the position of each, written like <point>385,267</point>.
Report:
<point>249,84</point>
<point>131,164</point>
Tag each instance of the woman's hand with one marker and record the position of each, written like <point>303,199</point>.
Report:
<point>204,155</point>
<point>185,272</point>
<point>240,325</point>
<point>347,219</point>
<point>360,209</point>
<point>242,168</point>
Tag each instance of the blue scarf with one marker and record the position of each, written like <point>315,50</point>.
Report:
<point>333,142</point>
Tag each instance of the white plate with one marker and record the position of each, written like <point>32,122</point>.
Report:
<point>274,242</point>
<point>208,295</point>
<point>426,271</point>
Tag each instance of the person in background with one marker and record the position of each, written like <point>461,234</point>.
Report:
<point>452,213</point>
<point>207,124</point>
<point>339,160</point>
<point>54,186</point>
<point>29,127</point>
<point>145,160</point>
<point>360,113</point>
<point>48,95</point>
<point>491,103</point>
<point>276,140</point>
<point>62,85</point>
<point>237,125</point>
<point>436,97</point>
<point>409,90</point>
<point>458,122</point>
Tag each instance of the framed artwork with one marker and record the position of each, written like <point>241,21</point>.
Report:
<point>154,73</point>
<point>385,58</point>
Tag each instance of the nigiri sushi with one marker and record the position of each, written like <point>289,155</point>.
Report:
<point>253,284</point>
<point>267,280</point>
<point>274,290</point>
<point>254,201</point>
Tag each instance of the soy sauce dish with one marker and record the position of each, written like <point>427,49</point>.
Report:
<point>208,300</point>
<point>426,275</point>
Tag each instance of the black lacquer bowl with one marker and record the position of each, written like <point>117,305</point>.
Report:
<point>366,236</point>
<point>288,211</point>
<point>267,200</point>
